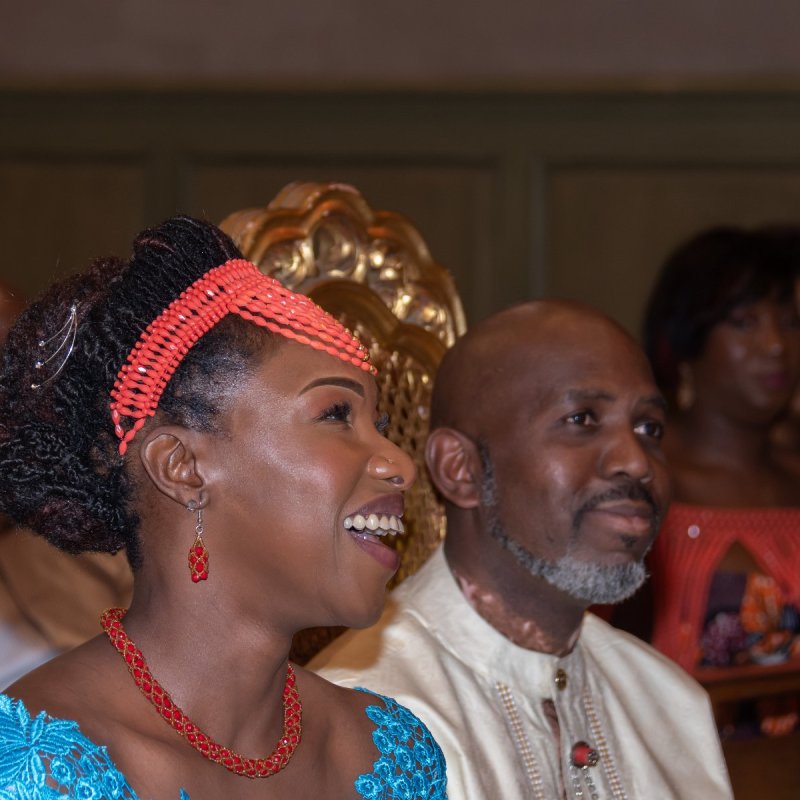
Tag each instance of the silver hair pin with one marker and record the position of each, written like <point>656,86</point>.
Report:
<point>64,338</point>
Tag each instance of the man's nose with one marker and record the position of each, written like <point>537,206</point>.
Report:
<point>626,455</point>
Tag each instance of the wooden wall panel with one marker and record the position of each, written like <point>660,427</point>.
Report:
<point>454,207</point>
<point>55,215</point>
<point>519,194</point>
<point>611,228</point>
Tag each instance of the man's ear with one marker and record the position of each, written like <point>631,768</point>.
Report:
<point>171,464</point>
<point>455,468</point>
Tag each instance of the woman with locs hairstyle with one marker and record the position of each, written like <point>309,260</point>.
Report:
<point>723,335</point>
<point>221,430</point>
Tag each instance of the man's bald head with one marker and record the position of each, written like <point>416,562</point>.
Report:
<point>478,372</point>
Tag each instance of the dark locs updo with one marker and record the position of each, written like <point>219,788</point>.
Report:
<point>60,470</point>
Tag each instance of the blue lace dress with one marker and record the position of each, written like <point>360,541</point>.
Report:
<point>42,758</point>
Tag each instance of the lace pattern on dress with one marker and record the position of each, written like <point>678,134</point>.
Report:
<point>44,758</point>
<point>411,765</point>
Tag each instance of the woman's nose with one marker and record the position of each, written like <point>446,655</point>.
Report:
<point>774,336</point>
<point>393,465</point>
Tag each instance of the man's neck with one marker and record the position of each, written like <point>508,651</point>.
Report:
<point>543,621</point>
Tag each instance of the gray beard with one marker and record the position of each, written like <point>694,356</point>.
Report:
<point>583,580</point>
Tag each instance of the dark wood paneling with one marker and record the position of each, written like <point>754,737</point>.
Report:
<point>517,193</point>
<point>612,227</point>
<point>57,214</point>
<point>453,206</point>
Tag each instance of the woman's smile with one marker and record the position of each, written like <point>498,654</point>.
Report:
<point>372,522</point>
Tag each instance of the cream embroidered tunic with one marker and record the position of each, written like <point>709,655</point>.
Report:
<point>481,696</point>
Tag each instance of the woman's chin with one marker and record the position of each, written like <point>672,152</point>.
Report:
<point>366,615</point>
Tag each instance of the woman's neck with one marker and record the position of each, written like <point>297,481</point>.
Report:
<point>717,461</point>
<point>709,438</point>
<point>228,678</point>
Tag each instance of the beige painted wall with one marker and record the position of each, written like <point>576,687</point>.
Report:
<point>412,43</point>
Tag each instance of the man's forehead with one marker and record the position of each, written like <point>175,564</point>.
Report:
<point>601,368</point>
<point>526,354</point>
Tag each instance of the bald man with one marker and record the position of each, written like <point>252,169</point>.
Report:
<point>546,447</point>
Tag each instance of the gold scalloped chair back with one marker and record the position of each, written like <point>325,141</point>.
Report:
<point>371,270</point>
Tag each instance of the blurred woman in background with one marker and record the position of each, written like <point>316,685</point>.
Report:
<point>723,336</point>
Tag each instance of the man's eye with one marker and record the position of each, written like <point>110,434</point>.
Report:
<point>650,428</point>
<point>382,424</point>
<point>338,412</point>
<point>582,418</point>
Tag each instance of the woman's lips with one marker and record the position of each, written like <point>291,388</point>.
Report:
<point>389,504</point>
<point>384,555</point>
<point>378,518</point>
<point>775,381</point>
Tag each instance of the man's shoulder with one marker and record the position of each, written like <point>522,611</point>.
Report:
<point>399,635</point>
<point>627,660</point>
<point>406,626</point>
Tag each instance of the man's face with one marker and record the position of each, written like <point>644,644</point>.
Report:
<point>574,481</point>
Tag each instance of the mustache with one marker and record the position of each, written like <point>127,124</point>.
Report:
<point>627,490</point>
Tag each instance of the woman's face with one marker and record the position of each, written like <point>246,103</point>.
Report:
<point>300,456</point>
<point>751,361</point>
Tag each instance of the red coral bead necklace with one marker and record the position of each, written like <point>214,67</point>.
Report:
<point>111,621</point>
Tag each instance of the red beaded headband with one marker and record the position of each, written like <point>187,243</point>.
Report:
<point>237,287</point>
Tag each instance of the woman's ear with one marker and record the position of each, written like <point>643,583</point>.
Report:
<point>169,459</point>
<point>454,464</point>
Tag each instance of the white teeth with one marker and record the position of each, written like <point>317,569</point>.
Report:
<point>377,525</point>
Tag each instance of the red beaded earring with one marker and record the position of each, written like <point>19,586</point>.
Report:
<point>198,553</point>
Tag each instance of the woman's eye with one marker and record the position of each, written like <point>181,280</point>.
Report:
<point>338,412</point>
<point>789,321</point>
<point>650,428</point>
<point>741,320</point>
<point>382,424</point>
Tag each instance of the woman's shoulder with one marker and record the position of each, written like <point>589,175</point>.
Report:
<point>67,686</point>
<point>411,763</point>
<point>372,738</point>
<point>47,757</point>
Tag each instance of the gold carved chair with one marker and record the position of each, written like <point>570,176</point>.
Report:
<point>372,270</point>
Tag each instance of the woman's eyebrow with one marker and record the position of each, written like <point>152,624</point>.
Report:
<point>345,383</point>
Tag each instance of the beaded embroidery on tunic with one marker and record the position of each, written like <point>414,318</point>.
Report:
<point>43,758</point>
<point>583,782</point>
